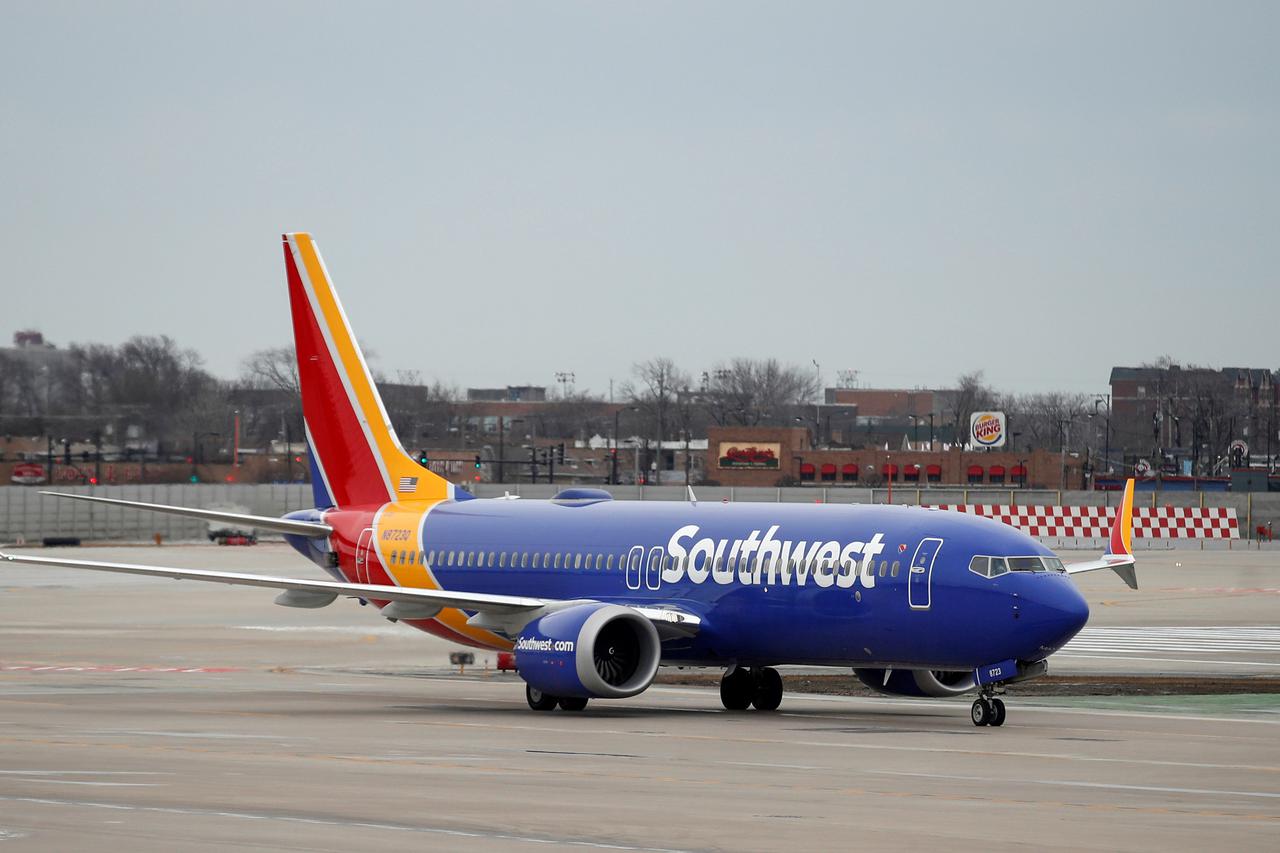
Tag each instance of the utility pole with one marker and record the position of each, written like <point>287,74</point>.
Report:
<point>533,463</point>
<point>502,451</point>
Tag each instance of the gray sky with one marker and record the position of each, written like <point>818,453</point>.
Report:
<point>502,191</point>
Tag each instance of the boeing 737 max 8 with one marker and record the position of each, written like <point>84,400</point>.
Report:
<point>593,595</point>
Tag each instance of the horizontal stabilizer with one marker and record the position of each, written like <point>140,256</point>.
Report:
<point>312,529</point>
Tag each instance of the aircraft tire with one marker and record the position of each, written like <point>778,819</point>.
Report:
<point>572,703</point>
<point>736,689</point>
<point>768,692</point>
<point>997,718</point>
<point>538,700</point>
<point>981,713</point>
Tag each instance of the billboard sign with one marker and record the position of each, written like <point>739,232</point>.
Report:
<point>987,429</point>
<point>28,474</point>
<point>762,456</point>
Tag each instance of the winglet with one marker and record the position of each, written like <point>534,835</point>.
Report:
<point>1119,555</point>
<point>1121,539</point>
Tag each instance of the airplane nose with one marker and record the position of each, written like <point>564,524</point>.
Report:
<point>1060,612</point>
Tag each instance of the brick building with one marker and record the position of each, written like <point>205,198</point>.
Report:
<point>770,456</point>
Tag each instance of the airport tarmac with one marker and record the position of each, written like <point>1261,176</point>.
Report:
<point>150,714</point>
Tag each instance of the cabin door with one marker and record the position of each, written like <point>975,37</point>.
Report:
<point>635,566</point>
<point>653,568</point>
<point>920,577</point>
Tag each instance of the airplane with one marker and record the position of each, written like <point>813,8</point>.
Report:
<point>593,594</point>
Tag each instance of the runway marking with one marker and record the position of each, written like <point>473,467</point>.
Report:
<point>43,668</point>
<point>1124,643</point>
<point>320,821</point>
<point>1074,784</point>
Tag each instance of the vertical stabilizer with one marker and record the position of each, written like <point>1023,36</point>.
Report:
<point>356,455</point>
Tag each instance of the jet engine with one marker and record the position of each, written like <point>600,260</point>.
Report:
<point>596,651</point>
<point>917,682</point>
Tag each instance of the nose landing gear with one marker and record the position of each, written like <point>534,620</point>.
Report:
<point>987,710</point>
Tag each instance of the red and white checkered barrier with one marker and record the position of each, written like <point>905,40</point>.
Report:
<point>1085,522</point>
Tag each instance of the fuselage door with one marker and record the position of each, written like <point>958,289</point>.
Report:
<point>920,576</point>
<point>362,555</point>
<point>653,568</point>
<point>635,561</point>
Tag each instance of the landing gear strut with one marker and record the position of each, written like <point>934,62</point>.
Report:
<point>761,687</point>
<point>987,710</point>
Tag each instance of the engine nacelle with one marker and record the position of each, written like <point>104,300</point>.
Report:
<point>917,682</point>
<point>596,651</point>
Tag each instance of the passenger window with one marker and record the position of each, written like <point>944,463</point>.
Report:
<point>557,565</point>
<point>577,561</point>
<point>502,560</point>
<point>471,559</point>
<point>491,562</point>
<point>609,564</point>
<point>893,571</point>
<point>537,561</point>
<point>546,559</point>
<point>884,566</point>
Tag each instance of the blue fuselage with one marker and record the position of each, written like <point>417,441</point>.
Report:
<point>845,585</point>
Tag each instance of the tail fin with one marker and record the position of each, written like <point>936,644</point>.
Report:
<point>355,452</point>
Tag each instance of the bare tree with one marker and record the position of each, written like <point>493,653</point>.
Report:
<point>275,367</point>
<point>972,394</point>
<point>748,392</point>
<point>655,391</point>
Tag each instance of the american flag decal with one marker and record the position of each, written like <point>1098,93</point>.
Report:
<point>408,484</point>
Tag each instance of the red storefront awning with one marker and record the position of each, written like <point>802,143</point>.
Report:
<point>828,468</point>
<point>806,468</point>
<point>889,469</point>
<point>1018,471</point>
<point>975,470</point>
<point>997,470</point>
<point>933,469</point>
<point>911,469</point>
<point>851,470</point>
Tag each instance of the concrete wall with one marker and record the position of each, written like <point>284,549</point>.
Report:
<point>27,515</point>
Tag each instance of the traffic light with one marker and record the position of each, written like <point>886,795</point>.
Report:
<point>194,478</point>
<point>477,461</point>
<point>560,453</point>
<point>423,460</point>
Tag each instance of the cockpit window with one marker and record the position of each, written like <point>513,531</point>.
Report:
<point>990,567</point>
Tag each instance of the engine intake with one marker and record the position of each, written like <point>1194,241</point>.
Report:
<point>598,651</point>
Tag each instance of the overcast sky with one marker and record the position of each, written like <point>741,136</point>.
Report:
<point>506,190</point>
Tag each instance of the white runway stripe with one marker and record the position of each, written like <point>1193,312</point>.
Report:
<point>1204,640</point>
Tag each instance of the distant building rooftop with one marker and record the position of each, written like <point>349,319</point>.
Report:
<point>509,394</point>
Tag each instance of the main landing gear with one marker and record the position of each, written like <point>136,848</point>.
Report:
<point>540,701</point>
<point>987,710</point>
<point>761,687</point>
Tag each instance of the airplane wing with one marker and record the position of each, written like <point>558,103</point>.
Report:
<point>511,611</point>
<point>263,522</point>
<point>1119,556</point>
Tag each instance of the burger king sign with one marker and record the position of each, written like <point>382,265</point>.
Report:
<point>987,429</point>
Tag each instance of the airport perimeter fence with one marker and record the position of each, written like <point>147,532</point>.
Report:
<point>26,516</point>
